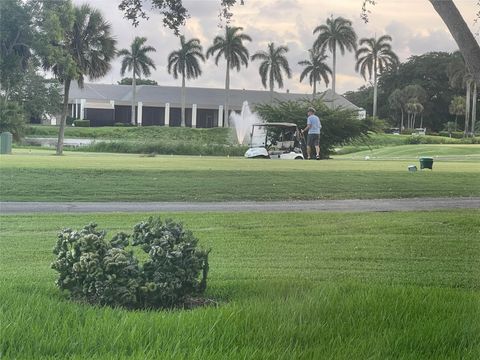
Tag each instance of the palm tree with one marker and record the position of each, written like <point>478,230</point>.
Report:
<point>137,61</point>
<point>235,53</point>
<point>375,57</point>
<point>336,32</point>
<point>87,50</point>
<point>460,77</point>
<point>185,62</point>
<point>315,68</point>
<point>274,61</point>
<point>457,107</point>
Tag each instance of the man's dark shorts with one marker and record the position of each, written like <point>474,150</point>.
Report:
<point>313,140</point>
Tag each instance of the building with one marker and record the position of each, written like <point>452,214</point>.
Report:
<point>106,105</point>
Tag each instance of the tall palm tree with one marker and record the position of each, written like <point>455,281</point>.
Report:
<point>235,53</point>
<point>336,32</point>
<point>273,62</point>
<point>374,57</point>
<point>87,50</point>
<point>137,61</point>
<point>315,68</point>
<point>185,62</point>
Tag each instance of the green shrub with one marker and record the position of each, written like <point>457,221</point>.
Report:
<point>81,123</point>
<point>454,134</point>
<point>120,124</point>
<point>12,119</point>
<point>339,126</point>
<point>69,120</point>
<point>103,272</point>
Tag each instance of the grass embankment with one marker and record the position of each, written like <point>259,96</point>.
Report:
<point>150,139</point>
<point>290,286</point>
<point>40,176</point>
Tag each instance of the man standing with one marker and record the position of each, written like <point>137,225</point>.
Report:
<point>313,127</point>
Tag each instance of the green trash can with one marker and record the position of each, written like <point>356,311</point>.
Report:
<point>426,163</point>
<point>5,143</point>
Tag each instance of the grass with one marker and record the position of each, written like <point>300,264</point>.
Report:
<point>291,286</point>
<point>222,136</point>
<point>40,176</point>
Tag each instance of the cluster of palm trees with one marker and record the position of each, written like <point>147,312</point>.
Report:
<point>373,57</point>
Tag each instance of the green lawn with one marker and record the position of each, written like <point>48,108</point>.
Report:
<point>40,176</point>
<point>402,285</point>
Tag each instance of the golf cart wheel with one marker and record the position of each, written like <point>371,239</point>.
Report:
<point>299,158</point>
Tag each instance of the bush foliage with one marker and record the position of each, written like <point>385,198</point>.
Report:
<point>104,272</point>
<point>339,126</point>
<point>12,119</point>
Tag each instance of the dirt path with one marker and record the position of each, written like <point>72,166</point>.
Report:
<point>415,204</point>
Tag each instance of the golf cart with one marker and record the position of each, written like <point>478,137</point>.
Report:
<point>276,141</point>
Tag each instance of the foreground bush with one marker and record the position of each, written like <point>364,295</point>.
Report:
<point>12,119</point>
<point>339,126</point>
<point>104,272</point>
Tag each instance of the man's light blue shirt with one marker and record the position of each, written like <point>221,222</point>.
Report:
<point>314,123</point>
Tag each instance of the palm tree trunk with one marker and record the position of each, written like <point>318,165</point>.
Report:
<point>375,88</point>
<point>467,110</point>
<point>401,125</point>
<point>314,89</point>
<point>63,118</point>
<point>182,124</point>
<point>461,33</point>
<point>226,122</point>
<point>456,116</point>
<point>334,55</point>
<point>134,97</point>
<point>271,88</point>
<point>474,108</point>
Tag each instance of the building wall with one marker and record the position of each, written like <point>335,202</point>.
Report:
<point>207,118</point>
<point>152,115</point>
<point>100,117</point>
<point>123,114</point>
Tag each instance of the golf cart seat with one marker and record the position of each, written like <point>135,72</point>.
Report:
<point>281,145</point>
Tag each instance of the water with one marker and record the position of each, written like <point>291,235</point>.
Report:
<point>243,122</point>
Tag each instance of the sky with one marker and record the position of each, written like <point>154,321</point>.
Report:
<point>413,24</point>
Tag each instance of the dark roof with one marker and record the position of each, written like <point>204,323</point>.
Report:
<point>206,98</point>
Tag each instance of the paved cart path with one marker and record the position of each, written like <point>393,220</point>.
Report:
<point>414,204</point>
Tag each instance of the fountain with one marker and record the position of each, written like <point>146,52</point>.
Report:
<point>243,122</point>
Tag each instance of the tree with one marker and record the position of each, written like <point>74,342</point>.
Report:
<point>184,62</point>
<point>460,77</point>
<point>272,65</point>
<point>315,68</point>
<point>457,107</point>
<point>397,101</point>
<point>235,53</point>
<point>80,44</point>
<point>129,81</point>
<point>137,61</point>
<point>16,42</point>
<point>373,58</point>
<point>457,26</point>
<point>336,32</point>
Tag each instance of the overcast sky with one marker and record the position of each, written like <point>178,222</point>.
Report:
<point>413,24</point>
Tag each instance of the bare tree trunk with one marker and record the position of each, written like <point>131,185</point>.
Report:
<point>474,109</point>
<point>375,89</point>
<point>461,33</point>
<point>226,121</point>
<point>334,53</point>
<point>63,118</point>
<point>134,97</point>
<point>401,124</point>
<point>467,109</point>
<point>182,124</point>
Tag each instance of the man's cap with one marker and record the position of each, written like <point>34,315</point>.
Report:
<point>311,109</point>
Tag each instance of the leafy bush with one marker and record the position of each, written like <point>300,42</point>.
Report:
<point>453,134</point>
<point>81,123</point>
<point>103,272</point>
<point>12,119</point>
<point>339,126</point>
<point>166,148</point>
<point>120,124</point>
<point>69,120</point>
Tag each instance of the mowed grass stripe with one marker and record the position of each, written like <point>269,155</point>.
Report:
<point>35,184</point>
<point>292,286</point>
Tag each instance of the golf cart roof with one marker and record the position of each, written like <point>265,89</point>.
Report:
<point>276,124</point>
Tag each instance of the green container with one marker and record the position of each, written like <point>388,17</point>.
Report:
<point>426,163</point>
<point>5,143</point>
